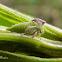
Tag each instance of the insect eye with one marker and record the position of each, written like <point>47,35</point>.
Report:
<point>40,21</point>
<point>34,20</point>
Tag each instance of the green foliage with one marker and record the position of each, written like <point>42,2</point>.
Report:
<point>26,45</point>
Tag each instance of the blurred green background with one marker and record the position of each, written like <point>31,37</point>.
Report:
<point>49,10</point>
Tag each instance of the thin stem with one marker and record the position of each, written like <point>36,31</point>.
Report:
<point>24,58</point>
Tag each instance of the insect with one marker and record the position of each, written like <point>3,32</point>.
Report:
<point>34,27</point>
<point>37,29</point>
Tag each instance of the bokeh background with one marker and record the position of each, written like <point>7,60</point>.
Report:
<point>49,10</point>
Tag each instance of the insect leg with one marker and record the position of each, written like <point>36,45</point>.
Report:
<point>35,34</point>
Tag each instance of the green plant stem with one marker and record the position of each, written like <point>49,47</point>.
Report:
<point>9,15</point>
<point>55,30</point>
<point>24,58</point>
<point>51,35</point>
<point>34,44</point>
<point>17,47</point>
<point>3,29</point>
